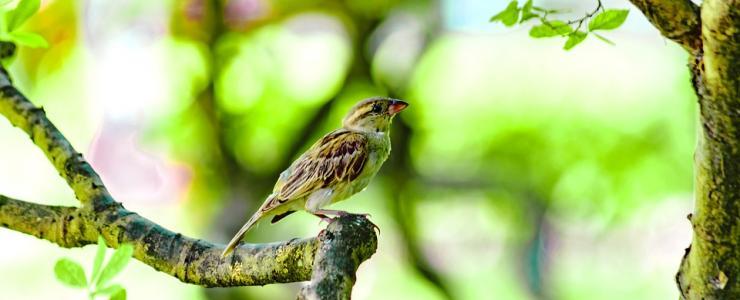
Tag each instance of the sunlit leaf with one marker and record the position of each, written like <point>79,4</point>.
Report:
<point>21,13</point>
<point>609,19</point>
<point>527,13</point>
<point>99,257</point>
<point>550,29</point>
<point>509,16</point>
<point>109,290</point>
<point>70,273</point>
<point>117,263</point>
<point>5,2</point>
<point>575,39</point>
<point>119,295</point>
<point>28,39</point>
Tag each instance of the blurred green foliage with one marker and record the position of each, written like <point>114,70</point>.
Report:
<point>511,152</point>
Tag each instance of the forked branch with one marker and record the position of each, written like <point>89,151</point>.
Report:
<point>329,260</point>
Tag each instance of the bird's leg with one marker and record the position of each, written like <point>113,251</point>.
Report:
<point>321,213</point>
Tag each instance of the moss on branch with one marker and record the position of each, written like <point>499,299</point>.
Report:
<point>86,184</point>
<point>345,244</point>
<point>190,260</point>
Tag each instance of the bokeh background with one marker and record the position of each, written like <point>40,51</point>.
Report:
<point>520,170</point>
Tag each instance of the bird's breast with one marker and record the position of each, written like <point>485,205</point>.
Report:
<point>379,149</point>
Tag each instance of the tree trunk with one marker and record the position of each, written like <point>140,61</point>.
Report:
<point>711,267</point>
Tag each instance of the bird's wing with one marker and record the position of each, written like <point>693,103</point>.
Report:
<point>338,156</point>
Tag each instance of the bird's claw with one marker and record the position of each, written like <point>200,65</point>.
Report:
<point>375,227</point>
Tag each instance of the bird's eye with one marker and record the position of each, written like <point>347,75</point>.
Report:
<point>377,108</point>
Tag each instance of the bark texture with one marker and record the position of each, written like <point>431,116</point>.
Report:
<point>329,260</point>
<point>677,20</point>
<point>190,260</point>
<point>338,258</point>
<point>710,268</point>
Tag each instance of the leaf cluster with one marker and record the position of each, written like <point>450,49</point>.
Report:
<point>12,19</point>
<point>72,274</point>
<point>600,19</point>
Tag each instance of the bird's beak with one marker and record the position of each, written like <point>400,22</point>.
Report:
<point>396,107</point>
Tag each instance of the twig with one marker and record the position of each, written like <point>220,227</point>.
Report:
<point>599,7</point>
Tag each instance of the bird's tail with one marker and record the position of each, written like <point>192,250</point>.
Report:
<point>239,235</point>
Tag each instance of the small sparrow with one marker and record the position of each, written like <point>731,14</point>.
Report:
<point>336,167</point>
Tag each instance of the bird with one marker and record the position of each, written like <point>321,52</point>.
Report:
<point>337,166</point>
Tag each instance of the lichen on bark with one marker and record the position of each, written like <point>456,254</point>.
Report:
<point>339,256</point>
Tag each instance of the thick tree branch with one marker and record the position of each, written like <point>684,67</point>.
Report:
<point>190,260</point>
<point>345,244</point>
<point>677,20</point>
<point>70,164</point>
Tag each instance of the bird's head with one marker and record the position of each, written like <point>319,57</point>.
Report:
<point>373,114</point>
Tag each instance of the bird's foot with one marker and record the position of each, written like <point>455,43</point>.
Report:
<point>374,226</point>
<point>322,213</point>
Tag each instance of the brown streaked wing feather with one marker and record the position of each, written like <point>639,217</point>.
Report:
<point>338,156</point>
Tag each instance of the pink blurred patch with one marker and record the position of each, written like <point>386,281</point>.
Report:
<point>133,174</point>
<point>240,12</point>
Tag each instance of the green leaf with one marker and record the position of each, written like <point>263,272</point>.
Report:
<point>116,292</point>
<point>29,39</point>
<point>21,13</point>
<point>527,6</point>
<point>509,16</point>
<point>120,295</point>
<point>527,12</point>
<point>117,263</point>
<point>4,16</point>
<point>601,37</point>
<point>574,39</point>
<point>70,273</point>
<point>4,2</point>
<point>609,19</point>
<point>550,29</point>
<point>99,257</point>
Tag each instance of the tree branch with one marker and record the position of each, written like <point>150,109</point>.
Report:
<point>346,243</point>
<point>190,260</point>
<point>339,257</point>
<point>677,20</point>
<point>86,184</point>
